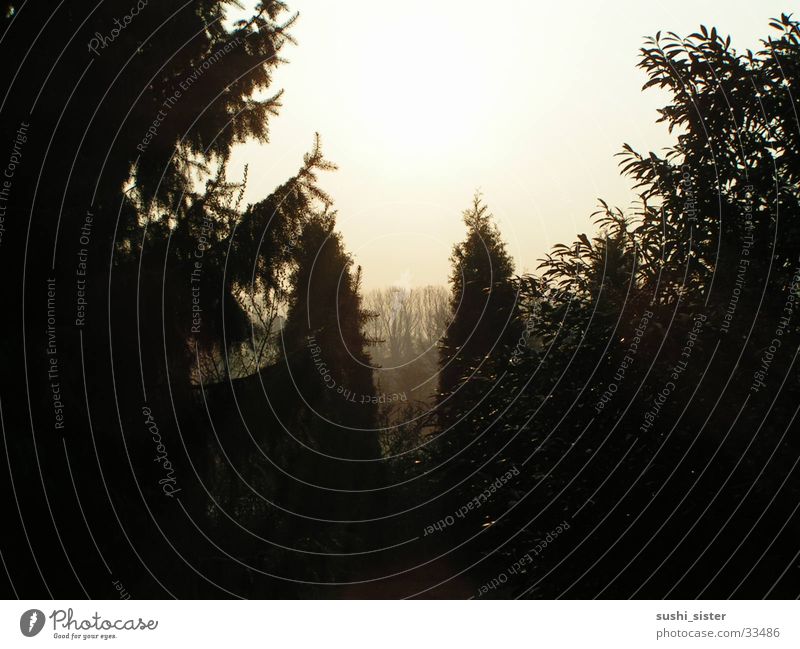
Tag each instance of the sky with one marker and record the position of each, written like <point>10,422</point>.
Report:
<point>422,103</point>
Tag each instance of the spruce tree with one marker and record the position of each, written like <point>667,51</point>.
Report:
<point>482,304</point>
<point>325,343</point>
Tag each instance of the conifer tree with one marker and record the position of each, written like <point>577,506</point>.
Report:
<point>325,343</point>
<point>482,304</point>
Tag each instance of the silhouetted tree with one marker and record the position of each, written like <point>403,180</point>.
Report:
<point>482,304</point>
<point>679,296</point>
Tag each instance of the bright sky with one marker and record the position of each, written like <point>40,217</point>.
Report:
<point>420,103</point>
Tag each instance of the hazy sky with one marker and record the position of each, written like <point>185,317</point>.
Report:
<point>420,103</point>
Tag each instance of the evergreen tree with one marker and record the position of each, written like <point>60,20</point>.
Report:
<point>333,404</point>
<point>325,343</point>
<point>482,304</point>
